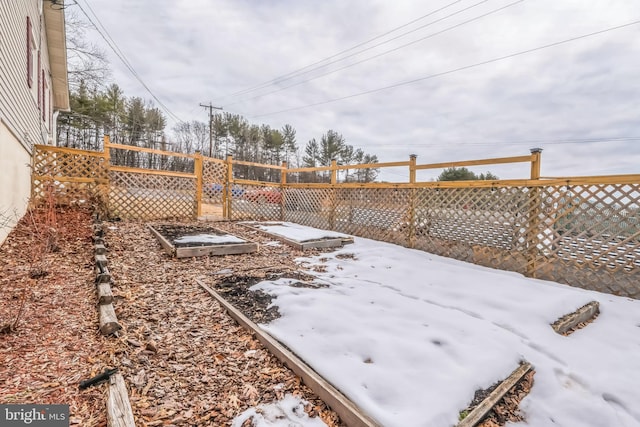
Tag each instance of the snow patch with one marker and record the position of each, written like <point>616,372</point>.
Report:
<point>299,233</point>
<point>288,412</point>
<point>209,238</point>
<point>410,336</point>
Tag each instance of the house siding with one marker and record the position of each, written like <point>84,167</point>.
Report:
<point>21,123</point>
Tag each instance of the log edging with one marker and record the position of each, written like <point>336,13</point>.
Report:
<point>119,412</point>
<point>108,321</point>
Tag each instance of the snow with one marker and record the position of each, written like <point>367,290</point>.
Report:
<point>410,336</point>
<point>209,238</point>
<point>296,232</point>
<point>288,412</point>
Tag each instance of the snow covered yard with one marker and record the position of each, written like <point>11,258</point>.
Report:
<point>410,336</point>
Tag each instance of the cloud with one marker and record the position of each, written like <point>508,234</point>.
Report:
<point>193,51</point>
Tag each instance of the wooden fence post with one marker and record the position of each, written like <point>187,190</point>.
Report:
<point>412,168</point>
<point>198,167</point>
<point>412,202</point>
<point>283,183</point>
<point>334,171</point>
<point>226,195</point>
<point>106,152</point>
<point>333,197</point>
<point>534,226</point>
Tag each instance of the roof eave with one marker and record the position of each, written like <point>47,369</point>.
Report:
<point>57,45</point>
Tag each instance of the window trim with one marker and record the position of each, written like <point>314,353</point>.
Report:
<point>29,54</point>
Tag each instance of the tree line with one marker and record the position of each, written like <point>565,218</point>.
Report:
<point>97,110</point>
<point>136,122</point>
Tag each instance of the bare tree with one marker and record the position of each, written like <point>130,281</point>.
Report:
<point>86,61</point>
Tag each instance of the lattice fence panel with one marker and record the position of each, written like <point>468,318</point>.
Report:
<point>71,176</point>
<point>487,226</point>
<point>213,179</point>
<point>376,213</point>
<point>592,237</point>
<point>310,206</point>
<point>259,203</point>
<point>150,196</point>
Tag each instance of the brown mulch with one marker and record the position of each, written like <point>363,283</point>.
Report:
<point>46,267</point>
<point>186,361</point>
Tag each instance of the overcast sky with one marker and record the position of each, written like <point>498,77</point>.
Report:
<point>579,101</point>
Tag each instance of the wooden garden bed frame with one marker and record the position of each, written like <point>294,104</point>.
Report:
<point>329,242</point>
<point>194,251</point>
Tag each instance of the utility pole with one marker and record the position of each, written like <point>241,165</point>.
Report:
<point>210,107</point>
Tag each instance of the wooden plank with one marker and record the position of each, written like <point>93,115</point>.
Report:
<point>119,413</point>
<point>229,249</point>
<point>349,413</point>
<point>259,165</point>
<point>494,161</point>
<point>152,172</point>
<point>374,165</point>
<point>108,320</point>
<point>310,169</point>
<point>150,150</point>
<point>480,411</point>
<point>255,183</point>
<point>61,178</point>
<point>166,245</point>
<point>52,149</point>
<point>105,296</point>
<point>571,320</point>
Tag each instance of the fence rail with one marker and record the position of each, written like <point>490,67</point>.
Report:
<point>583,231</point>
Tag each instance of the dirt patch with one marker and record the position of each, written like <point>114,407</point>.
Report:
<point>254,304</point>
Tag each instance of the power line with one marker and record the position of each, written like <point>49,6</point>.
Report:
<point>554,141</point>
<point>124,60</point>
<point>388,51</point>
<point>296,72</point>
<point>466,67</point>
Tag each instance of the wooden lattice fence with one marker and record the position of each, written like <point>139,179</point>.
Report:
<point>581,231</point>
<point>70,176</point>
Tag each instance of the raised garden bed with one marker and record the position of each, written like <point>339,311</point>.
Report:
<point>185,241</point>
<point>299,236</point>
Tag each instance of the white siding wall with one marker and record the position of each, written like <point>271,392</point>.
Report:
<point>16,181</point>
<point>21,123</point>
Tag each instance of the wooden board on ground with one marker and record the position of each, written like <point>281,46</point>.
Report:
<point>349,413</point>
<point>119,413</point>
<point>328,242</point>
<point>232,246</point>
<point>494,397</point>
<point>570,321</point>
